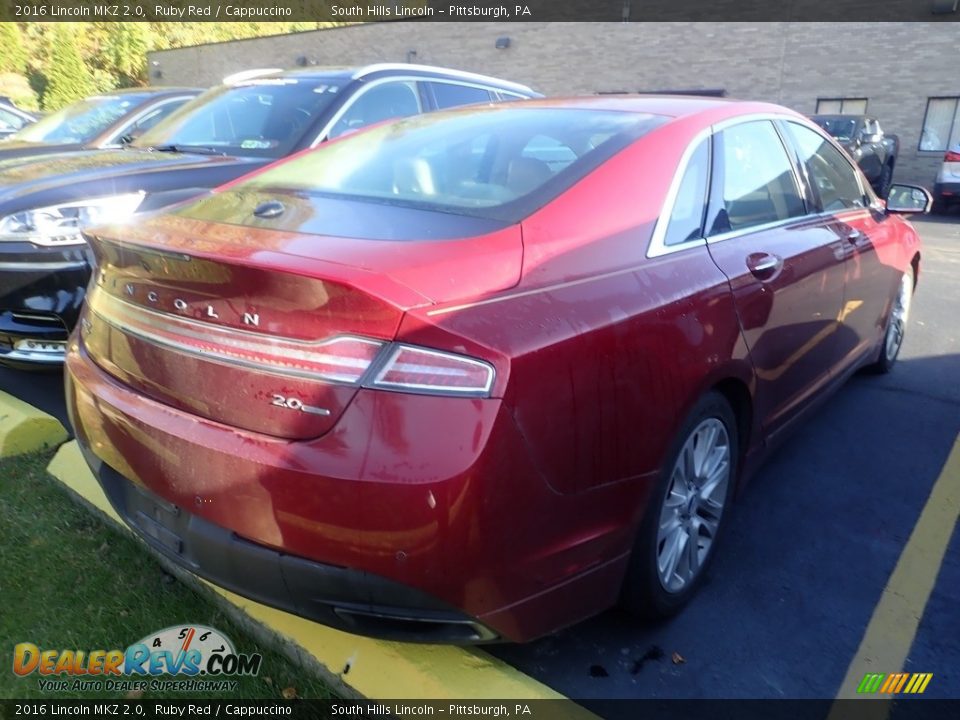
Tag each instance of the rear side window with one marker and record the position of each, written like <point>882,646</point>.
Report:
<point>833,178</point>
<point>451,95</point>
<point>686,218</point>
<point>758,185</point>
<point>382,102</point>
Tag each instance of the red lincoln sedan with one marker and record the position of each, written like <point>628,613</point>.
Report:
<point>479,375</point>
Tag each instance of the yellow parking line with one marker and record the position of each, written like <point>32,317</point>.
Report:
<point>375,669</point>
<point>893,625</point>
<point>24,428</point>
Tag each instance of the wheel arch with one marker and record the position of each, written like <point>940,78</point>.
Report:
<point>736,392</point>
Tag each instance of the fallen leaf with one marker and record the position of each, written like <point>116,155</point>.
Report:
<point>678,659</point>
<point>134,695</point>
<point>268,680</point>
<point>289,693</point>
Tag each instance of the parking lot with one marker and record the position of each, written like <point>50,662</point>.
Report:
<point>809,550</point>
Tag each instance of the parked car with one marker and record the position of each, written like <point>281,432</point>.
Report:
<point>245,124</point>
<point>946,190</point>
<point>98,122</point>
<point>475,375</point>
<point>13,118</point>
<point>874,150</point>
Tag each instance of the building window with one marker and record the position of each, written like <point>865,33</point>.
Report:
<point>841,106</point>
<point>941,124</point>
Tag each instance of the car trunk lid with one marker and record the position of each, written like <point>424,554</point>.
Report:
<point>266,330</point>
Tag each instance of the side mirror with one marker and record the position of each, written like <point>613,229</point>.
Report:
<point>906,199</point>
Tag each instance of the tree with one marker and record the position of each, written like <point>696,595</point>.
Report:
<point>13,55</point>
<point>125,51</point>
<point>68,78</point>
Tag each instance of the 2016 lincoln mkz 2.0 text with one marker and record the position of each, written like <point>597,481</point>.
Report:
<point>480,374</point>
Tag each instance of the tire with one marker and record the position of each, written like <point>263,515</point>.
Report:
<point>896,324</point>
<point>940,207</point>
<point>885,181</point>
<point>656,586</point>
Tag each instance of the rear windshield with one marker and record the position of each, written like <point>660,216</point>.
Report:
<point>82,121</point>
<point>259,118</point>
<point>840,128</point>
<point>500,162</point>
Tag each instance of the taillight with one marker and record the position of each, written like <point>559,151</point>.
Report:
<point>341,359</point>
<point>952,156</point>
<point>429,371</point>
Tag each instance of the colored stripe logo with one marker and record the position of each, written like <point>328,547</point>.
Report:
<point>893,683</point>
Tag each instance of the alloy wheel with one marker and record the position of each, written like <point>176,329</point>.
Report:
<point>694,503</point>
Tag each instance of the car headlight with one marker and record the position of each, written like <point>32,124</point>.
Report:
<point>61,224</point>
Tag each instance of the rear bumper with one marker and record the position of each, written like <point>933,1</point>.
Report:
<point>350,600</point>
<point>416,517</point>
<point>947,191</point>
<point>41,294</point>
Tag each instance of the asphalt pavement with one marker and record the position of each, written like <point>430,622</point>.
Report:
<point>810,547</point>
<point>811,544</point>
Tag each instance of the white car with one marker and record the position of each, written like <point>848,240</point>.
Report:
<point>13,119</point>
<point>946,190</point>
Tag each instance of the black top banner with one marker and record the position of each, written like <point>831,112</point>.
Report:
<point>479,10</point>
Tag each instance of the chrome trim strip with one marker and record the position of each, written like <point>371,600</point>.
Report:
<point>657,246</point>
<point>48,358</point>
<point>456,74</point>
<point>51,266</point>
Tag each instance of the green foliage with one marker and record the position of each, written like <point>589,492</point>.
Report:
<point>125,48</point>
<point>13,54</point>
<point>17,88</point>
<point>68,78</point>
<point>102,56</point>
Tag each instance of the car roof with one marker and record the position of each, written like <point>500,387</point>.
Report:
<point>672,106</point>
<point>387,69</point>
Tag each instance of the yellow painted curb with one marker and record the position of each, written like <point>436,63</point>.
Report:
<point>24,428</point>
<point>378,669</point>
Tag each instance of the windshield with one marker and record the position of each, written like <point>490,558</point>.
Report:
<point>261,118</point>
<point>500,162</point>
<point>82,121</point>
<point>840,128</point>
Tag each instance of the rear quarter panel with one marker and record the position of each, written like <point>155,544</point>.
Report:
<point>607,349</point>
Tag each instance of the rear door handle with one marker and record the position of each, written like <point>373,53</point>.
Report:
<point>763,265</point>
<point>855,236</point>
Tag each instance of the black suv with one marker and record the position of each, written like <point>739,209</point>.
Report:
<point>251,120</point>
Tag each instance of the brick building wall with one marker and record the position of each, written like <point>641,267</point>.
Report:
<point>896,66</point>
